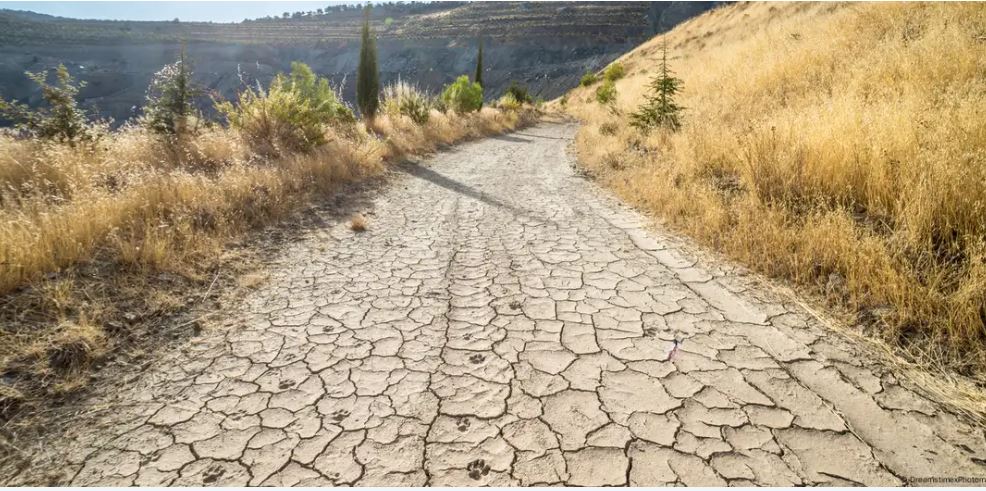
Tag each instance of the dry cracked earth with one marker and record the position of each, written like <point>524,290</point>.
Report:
<point>504,322</point>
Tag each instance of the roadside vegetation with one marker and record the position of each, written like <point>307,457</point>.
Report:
<point>101,230</point>
<point>842,147</point>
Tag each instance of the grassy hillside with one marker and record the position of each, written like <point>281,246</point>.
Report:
<point>841,146</point>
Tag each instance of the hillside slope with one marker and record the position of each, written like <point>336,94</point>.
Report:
<point>840,146</point>
<point>546,46</point>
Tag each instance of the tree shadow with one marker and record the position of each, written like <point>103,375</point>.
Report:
<point>421,172</point>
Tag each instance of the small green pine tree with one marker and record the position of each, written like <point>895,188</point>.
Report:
<point>660,108</point>
<point>367,75</point>
<point>170,98</point>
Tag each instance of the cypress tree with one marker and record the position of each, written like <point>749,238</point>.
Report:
<point>478,78</point>
<point>367,75</point>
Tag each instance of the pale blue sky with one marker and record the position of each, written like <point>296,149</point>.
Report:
<point>215,11</point>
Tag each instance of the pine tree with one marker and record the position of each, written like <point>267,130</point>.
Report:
<point>660,108</point>
<point>367,76</point>
<point>170,98</point>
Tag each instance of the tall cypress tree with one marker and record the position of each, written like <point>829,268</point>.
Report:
<point>367,75</point>
<point>478,78</point>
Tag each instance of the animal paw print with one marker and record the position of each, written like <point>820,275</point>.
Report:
<point>340,415</point>
<point>462,424</point>
<point>476,359</point>
<point>477,469</point>
<point>650,332</point>
<point>515,305</point>
<point>212,474</point>
<point>285,384</point>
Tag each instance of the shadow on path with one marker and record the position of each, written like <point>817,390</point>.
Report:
<point>509,138</point>
<point>433,177</point>
<point>541,136</point>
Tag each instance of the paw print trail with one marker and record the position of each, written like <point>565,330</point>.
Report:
<point>505,322</point>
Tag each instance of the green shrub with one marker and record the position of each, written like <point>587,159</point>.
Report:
<point>317,91</point>
<point>588,79</point>
<point>614,72</point>
<point>403,99</point>
<point>291,115</point>
<point>606,93</point>
<point>62,119</point>
<point>463,96</point>
<point>519,93</point>
<point>508,102</point>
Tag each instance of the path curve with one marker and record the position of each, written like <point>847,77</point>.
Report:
<point>505,322</point>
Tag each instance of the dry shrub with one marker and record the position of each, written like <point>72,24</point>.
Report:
<point>829,144</point>
<point>357,223</point>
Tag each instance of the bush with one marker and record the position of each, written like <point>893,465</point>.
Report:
<point>519,93</point>
<point>317,91</point>
<point>606,93</point>
<point>170,99</point>
<point>463,96</point>
<point>508,102</point>
<point>614,72</point>
<point>291,115</point>
<point>62,120</point>
<point>588,79</point>
<point>403,99</point>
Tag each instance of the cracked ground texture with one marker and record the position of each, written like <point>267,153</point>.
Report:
<point>504,322</point>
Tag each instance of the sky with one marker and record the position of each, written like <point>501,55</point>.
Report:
<point>214,11</point>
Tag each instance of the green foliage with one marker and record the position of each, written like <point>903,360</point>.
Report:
<point>463,96</point>
<point>368,75</point>
<point>519,93</point>
<point>403,99</point>
<point>319,94</point>
<point>291,115</point>
<point>606,93</point>
<point>170,99</point>
<point>508,102</point>
<point>614,72</point>
<point>588,79</point>
<point>660,108</point>
<point>61,120</point>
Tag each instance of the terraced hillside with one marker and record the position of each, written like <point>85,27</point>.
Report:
<point>544,45</point>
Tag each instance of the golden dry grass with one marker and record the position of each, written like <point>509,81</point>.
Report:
<point>84,232</point>
<point>841,146</point>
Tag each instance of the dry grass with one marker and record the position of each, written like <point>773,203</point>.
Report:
<point>841,146</point>
<point>88,236</point>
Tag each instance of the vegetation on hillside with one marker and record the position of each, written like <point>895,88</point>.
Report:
<point>839,146</point>
<point>97,238</point>
<point>463,96</point>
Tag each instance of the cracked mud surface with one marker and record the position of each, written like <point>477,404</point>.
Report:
<point>504,322</point>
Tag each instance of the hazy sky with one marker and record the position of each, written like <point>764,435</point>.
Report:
<point>215,11</point>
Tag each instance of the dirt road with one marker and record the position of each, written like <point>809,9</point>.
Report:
<point>504,322</point>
